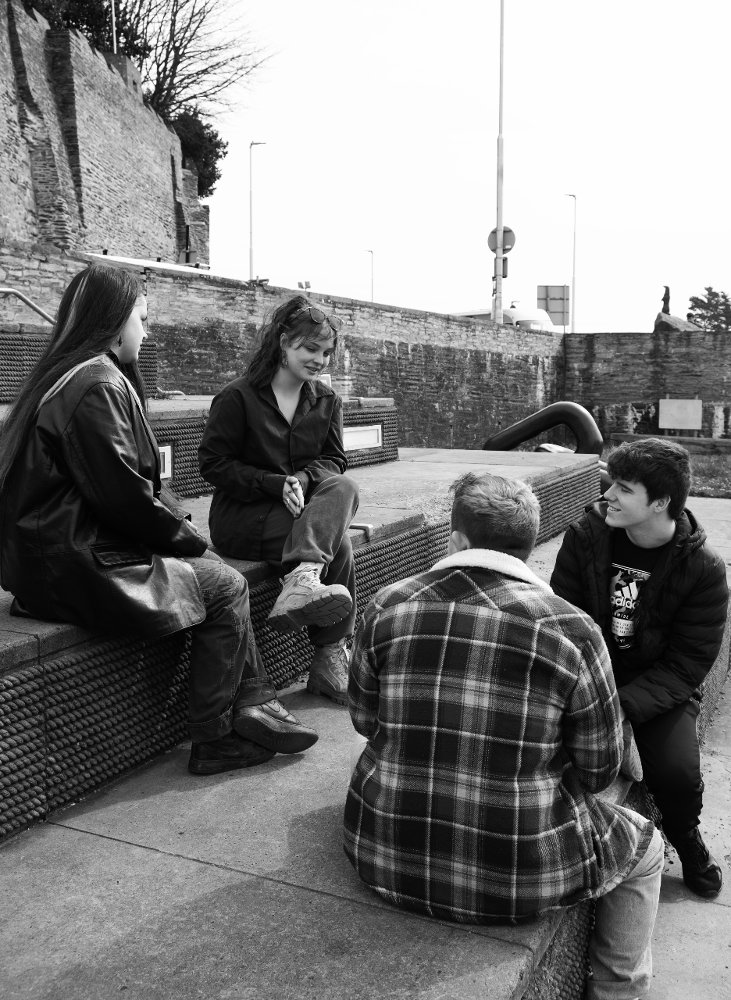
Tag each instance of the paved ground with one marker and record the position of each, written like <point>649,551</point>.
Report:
<point>692,947</point>
<point>236,888</point>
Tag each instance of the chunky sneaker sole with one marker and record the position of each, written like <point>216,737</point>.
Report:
<point>319,685</point>
<point>326,608</point>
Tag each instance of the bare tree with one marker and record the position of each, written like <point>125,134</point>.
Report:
<point>196,51</point>
<point>189,53</point>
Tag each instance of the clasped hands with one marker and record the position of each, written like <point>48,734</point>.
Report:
<point>293,497</point>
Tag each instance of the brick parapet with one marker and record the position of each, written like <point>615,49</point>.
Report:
<point>84,164</point>
<point>454,380</point>
<point>621,377</point>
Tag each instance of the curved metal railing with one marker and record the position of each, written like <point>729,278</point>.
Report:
<point>28,302</point>
<point>580,422</point>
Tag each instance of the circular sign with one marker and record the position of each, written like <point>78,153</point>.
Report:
<point>508,240</point>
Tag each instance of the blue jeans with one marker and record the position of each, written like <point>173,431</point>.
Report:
<point>619,951</point>
<point>225,667</point>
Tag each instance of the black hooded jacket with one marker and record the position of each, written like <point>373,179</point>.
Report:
<point>680,618</point>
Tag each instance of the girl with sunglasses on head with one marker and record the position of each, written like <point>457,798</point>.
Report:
<point>87,536</point>
<point>273,450</point>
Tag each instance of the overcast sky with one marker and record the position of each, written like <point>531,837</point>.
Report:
<point>380,119</point>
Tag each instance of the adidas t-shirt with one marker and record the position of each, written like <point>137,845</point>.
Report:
<point>631,569</point>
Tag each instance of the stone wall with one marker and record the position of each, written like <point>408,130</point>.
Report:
<point>40,273</point>
<point>453,380</point>
<point>621,377</point>
<point>84,165</point>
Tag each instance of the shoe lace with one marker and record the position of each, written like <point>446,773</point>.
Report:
<point>308,578</point>
<point>339,658</point>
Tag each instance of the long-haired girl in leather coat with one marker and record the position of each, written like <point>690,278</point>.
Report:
<point>86,535</point>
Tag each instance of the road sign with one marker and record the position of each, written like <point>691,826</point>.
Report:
<point>508,240</point>
<point>555,299</point>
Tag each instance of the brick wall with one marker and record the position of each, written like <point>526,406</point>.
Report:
<point>35,178</point>
<point>42,274</point>
<point>453,380</point>
<point>84,165</point>
<point>621,377</point>
<point>16,203</point>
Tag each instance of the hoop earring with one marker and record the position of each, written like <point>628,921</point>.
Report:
<point>119,340</point>
<point>284,363</point>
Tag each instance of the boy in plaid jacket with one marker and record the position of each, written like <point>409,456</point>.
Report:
<point>492,722</point>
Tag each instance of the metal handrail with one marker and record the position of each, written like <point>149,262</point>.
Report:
<point>581,423</point>
<point>28,302</point>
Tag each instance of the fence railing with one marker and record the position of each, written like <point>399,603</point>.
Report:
<point>28,302</point>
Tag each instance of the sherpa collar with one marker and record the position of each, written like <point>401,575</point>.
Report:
<point>501,562</point>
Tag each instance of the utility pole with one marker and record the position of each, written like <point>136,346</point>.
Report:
<point>573,272</point>
<point>251,211</point>
<point>497,307</point>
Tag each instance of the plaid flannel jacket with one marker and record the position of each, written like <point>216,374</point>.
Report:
<point>492,719</point>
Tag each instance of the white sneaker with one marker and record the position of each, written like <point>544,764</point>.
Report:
<point>306,601</point>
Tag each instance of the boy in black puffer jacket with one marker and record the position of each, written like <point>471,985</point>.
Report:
<point>638,563</point>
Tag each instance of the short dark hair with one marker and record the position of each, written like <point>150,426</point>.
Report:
<point>496,513</point>
<point>661,466</point>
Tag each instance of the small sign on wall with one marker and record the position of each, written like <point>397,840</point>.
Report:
<point>166,461</point>
<point>680,414</point>
<point>370,436</point>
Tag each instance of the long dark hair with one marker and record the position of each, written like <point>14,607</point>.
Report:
<point>95,306</point>
<point>292,320</point>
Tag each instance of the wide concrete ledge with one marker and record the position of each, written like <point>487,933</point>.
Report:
<point>78,708</point>
<point>396,498</point>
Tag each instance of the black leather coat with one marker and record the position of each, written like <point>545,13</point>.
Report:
<point>680,617</point>
<point>84,535</point>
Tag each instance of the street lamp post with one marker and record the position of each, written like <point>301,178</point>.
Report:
<point>371,253</point>
<point>573,272</point>
<point>251,210</point>
<point>114,29</point>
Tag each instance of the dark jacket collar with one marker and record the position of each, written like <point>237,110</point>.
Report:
<point>689,534</point>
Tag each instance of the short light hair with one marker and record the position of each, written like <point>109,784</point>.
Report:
<point>496,513</point>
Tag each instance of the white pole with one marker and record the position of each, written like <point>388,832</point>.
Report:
<point>497,310</point>
<point>573,272</point>
<point>114,29</point>
<point>251,210</point>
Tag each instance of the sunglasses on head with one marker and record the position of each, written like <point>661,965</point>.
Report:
<point>319,317</point>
